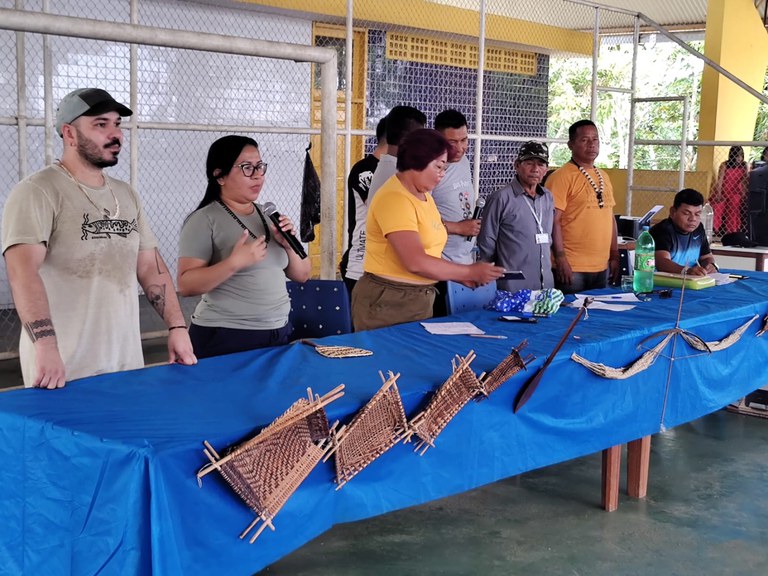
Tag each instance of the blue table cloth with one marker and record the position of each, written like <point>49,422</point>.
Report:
<point>99,478</point>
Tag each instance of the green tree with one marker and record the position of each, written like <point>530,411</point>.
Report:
<point>570,89</point>
<point>664,69</point>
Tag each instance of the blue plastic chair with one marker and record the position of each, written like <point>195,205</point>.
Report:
<point>459,298</point>
<point>319,308</point>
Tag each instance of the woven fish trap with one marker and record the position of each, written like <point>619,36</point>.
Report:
<point>265,470</point>
<point>258,467</point>
<point>460,387</point>
<point>378,426</point>
<point>508,367</point>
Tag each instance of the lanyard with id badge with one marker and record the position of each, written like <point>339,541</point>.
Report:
<point>541,236</point>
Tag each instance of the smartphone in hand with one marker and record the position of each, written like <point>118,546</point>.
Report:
<point>518,319</point>
<point>513,275</point>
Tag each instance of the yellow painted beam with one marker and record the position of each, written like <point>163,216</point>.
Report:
<point>423,15</point>
<point>736,39</point>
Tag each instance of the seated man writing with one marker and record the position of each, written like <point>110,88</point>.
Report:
<point>680,239</point>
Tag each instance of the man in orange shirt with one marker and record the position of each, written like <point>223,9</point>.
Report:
<point>584,232</point>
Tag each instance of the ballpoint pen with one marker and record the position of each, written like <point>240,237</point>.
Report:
<point>495,336</point>
<point>714,265</point>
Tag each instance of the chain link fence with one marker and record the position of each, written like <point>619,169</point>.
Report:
<point>537,79</point>
<point>728,191</point>
<point>185,100</point>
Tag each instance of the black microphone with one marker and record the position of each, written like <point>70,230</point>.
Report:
<point>478,209</point>
<point>274,216</point>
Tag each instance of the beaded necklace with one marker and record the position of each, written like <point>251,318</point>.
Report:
<point>598,189</point>
<point>106,213</point>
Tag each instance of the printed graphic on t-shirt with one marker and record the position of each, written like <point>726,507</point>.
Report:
<point>358,253</point>
<point>466,205</point>
<point>101,229</point>
<point>364,184</point>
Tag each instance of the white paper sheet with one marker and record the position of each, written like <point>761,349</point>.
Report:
<point>451,328</point>
<point>722,278</point>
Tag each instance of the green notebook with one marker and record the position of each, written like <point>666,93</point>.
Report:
<point>676,281</point>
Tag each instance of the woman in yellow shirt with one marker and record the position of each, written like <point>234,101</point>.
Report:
<point>405,237</point>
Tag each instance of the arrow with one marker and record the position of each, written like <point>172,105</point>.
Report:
<point>533,383</point>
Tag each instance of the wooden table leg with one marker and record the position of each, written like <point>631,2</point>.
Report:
<point>638,460</point>
<point>611,476</point>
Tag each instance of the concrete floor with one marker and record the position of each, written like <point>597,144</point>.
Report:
<point>706,514</point>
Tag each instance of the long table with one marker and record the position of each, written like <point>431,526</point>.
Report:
<point>99,478</point>
<point>742,258</point>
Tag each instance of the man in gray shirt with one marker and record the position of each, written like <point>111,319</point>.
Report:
<point>516,230</point>
<point>454,195</point>
<point>455,199</point>
<point>401,121</point>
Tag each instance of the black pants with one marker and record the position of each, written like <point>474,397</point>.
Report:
<point>583,281</point>
<point>350,284</point>
<point>208,341</point>
<point>440,307</point>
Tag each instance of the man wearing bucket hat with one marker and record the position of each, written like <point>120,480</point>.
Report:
<point>75,243</point>
<point>516,231</point>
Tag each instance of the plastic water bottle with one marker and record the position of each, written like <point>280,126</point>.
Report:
<point>645,262</point>
<point>707,219</point>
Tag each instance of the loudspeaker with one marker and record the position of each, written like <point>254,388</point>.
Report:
<point>756,201</point>
<point>758,228</point>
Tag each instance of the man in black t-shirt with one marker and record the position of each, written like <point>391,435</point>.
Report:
<point>681,241</point>
<point>358,183</point>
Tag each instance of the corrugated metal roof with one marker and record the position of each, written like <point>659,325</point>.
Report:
<point>579,16</point>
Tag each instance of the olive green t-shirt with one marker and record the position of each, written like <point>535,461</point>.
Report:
<point>254,298</point>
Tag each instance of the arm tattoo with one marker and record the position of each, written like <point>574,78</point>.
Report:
<point>157,262</point>
<point>156,296</point>
<point>37,329</point>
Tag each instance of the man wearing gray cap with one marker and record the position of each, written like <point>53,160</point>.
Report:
<point>75,242</point>
<point>516,230</point>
